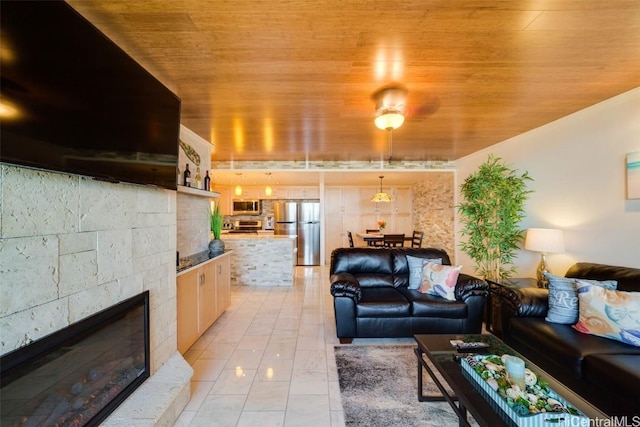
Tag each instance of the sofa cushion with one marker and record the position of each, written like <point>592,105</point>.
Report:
<point>416,265</point>
<point>440,280</point>
<point>628,278</point>
<point>427,305</point>
<point>563,298</point>
<point>610,314</point>
<point>359,261</point>
<point>382,302</point>
<point>560,344</point>
<point>617,372</point>
<point>401,266</point>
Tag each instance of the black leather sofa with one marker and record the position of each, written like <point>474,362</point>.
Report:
<point>605,372</point>
<point>372,299</point>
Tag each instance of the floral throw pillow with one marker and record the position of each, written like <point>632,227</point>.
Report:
<point>440,280</point>
<point>415,269</point>
<point>563,298</point>
<point>610,314</point>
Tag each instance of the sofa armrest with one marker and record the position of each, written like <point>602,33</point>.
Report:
<point>523,302</point>
<point>345,285</point>
<point>470,286</point>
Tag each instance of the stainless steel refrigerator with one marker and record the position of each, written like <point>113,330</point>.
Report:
<point>301,219</point>
<point>308,233</point>
<point>286,218</point>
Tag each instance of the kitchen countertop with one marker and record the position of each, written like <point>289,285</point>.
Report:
<point>237,236</point>
<point>191,261</point>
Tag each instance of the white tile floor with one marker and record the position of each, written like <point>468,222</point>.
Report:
<point>269,361</point>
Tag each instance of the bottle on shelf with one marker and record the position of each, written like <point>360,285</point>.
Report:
<point>207,181</point>
<point>198,181</point>
<point>178,175</point>
<point>187,176</point>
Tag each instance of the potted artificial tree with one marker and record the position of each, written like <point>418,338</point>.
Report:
<point>216,245</point>
<point>492,209</point>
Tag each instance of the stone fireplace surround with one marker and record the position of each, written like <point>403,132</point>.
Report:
<point>71,246</point>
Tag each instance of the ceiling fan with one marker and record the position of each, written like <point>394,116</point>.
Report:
<point>393,104</point>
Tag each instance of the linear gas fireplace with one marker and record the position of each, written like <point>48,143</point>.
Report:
<point>79,375</point>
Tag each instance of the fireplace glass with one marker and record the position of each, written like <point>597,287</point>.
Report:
<point>78,375</point>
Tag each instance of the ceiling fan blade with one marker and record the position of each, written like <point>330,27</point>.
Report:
<point>422,106</point>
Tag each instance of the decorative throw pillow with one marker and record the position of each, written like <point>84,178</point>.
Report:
<point>440,280</point>
<point>415,269</point>
<point>563,298</point>
<point>610,314</point>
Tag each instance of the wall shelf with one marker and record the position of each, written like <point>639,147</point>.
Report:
<point>197,192</point>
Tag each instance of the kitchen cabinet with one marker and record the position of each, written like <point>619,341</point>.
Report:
<point>303,193</point>
<point>341,216</point>
<point>223,285</point>
<point>277,193</point>
<point>187,309</point>
<point>351,209</point>
<point>225,199</point>
<point>248,193</point>
<point>403,201</point>
<point>207,309</point>
<point>203,294</point>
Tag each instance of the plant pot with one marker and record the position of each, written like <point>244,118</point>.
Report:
<point>216,247</point>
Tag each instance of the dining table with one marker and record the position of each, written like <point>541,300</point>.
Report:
<point>373,239</point>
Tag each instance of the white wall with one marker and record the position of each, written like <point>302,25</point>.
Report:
<point>578,167</point>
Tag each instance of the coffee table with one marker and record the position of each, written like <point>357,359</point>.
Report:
<point>446,361</point>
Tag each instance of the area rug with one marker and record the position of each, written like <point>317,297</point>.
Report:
<point>378,387</point>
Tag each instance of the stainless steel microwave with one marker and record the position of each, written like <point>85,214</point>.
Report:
<point>246,207</point>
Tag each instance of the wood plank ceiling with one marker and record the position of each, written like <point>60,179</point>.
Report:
<point>292,80</point>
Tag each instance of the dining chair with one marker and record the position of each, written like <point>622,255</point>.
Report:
<point>416,240</point>
<point>373,242</point>
<point>393,240</point>
<point>350,236</point>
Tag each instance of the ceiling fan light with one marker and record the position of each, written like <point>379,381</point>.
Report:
<point>389,120</point>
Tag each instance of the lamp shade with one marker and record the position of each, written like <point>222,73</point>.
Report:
<point>381,197</point>
<point>545,240</point>
<point>389,119</point>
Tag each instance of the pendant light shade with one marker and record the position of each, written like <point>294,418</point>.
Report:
<point>238,190</point>
<point>268,191</point>
<point>381,196</point>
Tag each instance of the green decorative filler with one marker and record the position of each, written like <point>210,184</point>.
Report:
<point>537,396</point>
<point>216,246</point>
<point>216,221</point>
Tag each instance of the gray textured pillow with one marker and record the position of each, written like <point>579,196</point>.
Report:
<point>563,298</point>
<point>415,269</point>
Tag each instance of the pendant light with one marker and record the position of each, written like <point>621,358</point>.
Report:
<point>268,191</point>
<point>238,190</point>
<point>381,196</point>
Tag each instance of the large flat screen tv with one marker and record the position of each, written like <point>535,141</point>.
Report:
<point>73,101</point>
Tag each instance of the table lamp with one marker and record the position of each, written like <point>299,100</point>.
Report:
<point>543,240</point>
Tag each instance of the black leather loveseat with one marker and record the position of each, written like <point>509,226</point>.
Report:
<point>604,371</point>
<point>372,299</point>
